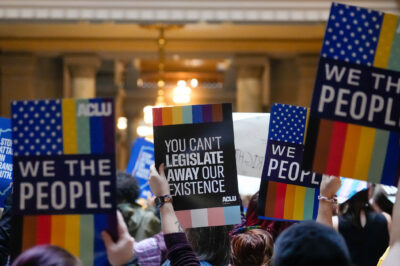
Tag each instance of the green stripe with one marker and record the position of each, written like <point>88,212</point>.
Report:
<point>308,204</point>
<point>187,115</point>
<point>83,131</point>
<point>86,248</point>
<point>378,156</point>
<point>394,58</point>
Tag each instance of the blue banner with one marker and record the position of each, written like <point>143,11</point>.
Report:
<point>5,159</point>
<point>142,157</point>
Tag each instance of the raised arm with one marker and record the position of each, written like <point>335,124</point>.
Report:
<point>179,250</point>
<point>328,188</point>
<point>393,256</point>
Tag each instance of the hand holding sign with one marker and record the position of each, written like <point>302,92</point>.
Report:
<point>329,186</point>
<point>158,182</point>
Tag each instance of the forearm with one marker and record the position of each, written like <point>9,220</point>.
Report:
<point>395,228</point>
<point>325,213</point>
<point>170,223</point>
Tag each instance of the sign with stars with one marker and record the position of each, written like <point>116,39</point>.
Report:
<point>355,111</point>
<point>64,175</point>
<point>286,191</point>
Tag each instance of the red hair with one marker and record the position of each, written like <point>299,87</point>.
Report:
<point>253,247</point>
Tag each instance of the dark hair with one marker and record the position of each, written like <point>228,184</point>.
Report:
<point>46,255</point>
<point>127,187</point>
<point>352,208</point>
<point>211,244</point>
<point>310,244</point>
<point>253,247</point>
<point>380,198</point>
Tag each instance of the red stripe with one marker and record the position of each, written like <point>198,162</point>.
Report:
<point>336,148</point>
<point>43,232</point>
<point>280,200</point>
<point>157,117</point>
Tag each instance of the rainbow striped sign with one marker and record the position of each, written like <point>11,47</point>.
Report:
<point>289,202</point>
<point>64,176</point>
<point>286,191</point>
<point>196,145</point>
<point>191,114</point>
<point>354,123</point>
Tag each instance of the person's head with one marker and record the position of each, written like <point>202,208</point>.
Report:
<point>127,188</point>
<point>252,247</point>
<point>310,244</point>
<point>46,255</point>
<point>352,207</point>
<point>211,244</point>
<point>380,200</point>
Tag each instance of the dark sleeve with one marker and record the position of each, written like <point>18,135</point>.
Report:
<point>5,228</point>
<point>179,250</point>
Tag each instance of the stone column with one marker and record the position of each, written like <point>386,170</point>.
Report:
<point>252,83</point>
<point>82,75</point>
<point>307,70</point>
<point>17,79</point>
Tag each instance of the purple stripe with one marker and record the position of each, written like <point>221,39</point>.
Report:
<point>109,128</point>
<point>207,113</point>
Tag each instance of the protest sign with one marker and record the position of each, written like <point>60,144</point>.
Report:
<point>250,152</point>
<point>286,191</point>
<point>64,176</point>
<point>196,144</point>
<point>142,157</point>
<point>354,122</point>
<point>5,159</point>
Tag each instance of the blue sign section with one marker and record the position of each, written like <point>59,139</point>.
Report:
<point>67,184</point>
<point>357,94</point>
<point>283,165</point>
<point>142,157</point>
<point>6,167</point>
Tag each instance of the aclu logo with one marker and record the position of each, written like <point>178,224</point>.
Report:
<point>228,199</point>
<point>94,109</point>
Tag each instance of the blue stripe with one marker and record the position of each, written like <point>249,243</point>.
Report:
<point>197,111</point>
<point>100,254</point>
<point>276,219</point>
<point>391,160</point>
<point>96,132</point>
<point>316,203</point>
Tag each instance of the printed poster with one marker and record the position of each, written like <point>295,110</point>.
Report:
<point>355,113</point>
<point>196,144</point>
<point>64,176</point>
<point>142,157</point>
<point>6,166</point>
<point>287,192</point>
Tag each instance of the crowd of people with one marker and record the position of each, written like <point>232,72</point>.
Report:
<point>362,231</point>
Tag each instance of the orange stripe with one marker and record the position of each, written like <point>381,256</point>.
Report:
<point>289,202</point>
<point>167,116</point>
<point>58,230</point>
<point>350,150</point>
<point>29,232</point>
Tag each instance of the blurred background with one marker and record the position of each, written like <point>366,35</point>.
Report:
<point>153,53</point>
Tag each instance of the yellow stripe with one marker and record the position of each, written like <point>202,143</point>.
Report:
<point>72,234</point>
<point>350,150</point>
<point>386,36</point>
<point>363,159</point>
<point>58,230</point>
<point>289,202</point>
<point>299,203</point>
<point>177,115</point>
<point>69,126</point>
